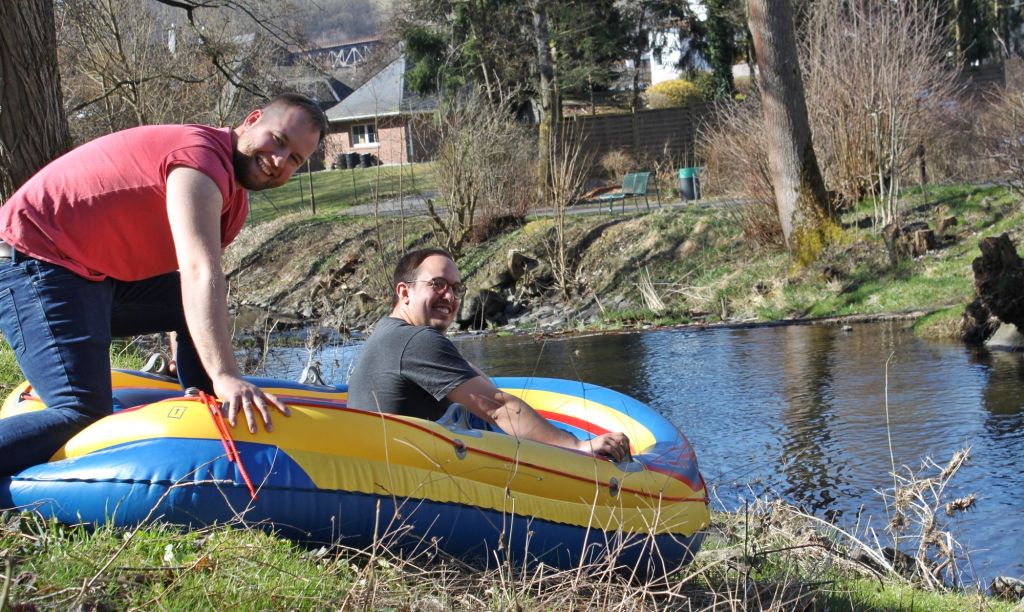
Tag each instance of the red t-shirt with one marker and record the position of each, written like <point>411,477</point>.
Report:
<point>101,209</point>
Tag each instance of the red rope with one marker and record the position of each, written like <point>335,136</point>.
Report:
<point>225,437</point>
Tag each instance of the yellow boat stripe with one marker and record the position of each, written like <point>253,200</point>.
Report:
<point>590,411</point>
<point>401,443</point>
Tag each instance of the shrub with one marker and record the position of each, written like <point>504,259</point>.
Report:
<point>705,84</point>
<point>668,94</point>
<point>875,98</point>
<point>616,164</point>
<point>736,165</point>
<point>1003,142</point>
<point>744,85</point>
<point>486,171</point>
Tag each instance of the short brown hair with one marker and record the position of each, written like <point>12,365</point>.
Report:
<point>408,264</point>
<point>316,116</point>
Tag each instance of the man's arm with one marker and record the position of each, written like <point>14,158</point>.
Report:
<point>516,418</point>
<point>193,208</point>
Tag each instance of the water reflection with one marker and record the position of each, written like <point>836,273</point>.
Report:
<point>812,414</point>
<point>807,442</point>
<point>1002,395</point>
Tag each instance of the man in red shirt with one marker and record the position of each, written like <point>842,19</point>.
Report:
<point>123,236</point>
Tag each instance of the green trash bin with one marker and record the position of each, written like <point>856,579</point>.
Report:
<point>689,184</point>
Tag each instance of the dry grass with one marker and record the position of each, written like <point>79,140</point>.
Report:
<point>737,166</point>
<point>616,164</point>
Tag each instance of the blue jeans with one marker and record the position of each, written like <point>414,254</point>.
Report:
<point>60,326</point>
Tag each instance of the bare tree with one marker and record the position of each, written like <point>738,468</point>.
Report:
<point>1002,141</point>
<point>878,99</point>
<point>33,128</point>
<point>129,63</point>
<point>804,211</point>
<point>482,166</point>
<point>33,122</point>
<point>569,164</point>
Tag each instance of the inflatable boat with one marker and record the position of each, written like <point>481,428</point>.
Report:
<point>333,474</point>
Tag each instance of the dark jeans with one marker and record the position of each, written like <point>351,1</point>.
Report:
<point>60,327</point>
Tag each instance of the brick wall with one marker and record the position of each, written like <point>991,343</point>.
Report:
<point>393,140</point>
<point>390,147</point>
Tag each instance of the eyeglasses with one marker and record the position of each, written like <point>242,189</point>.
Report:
<point>440,285</point>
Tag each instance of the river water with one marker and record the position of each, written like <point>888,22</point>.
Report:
<point>806,413</point>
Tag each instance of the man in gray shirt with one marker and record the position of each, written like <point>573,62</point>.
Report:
<point>409,367</point>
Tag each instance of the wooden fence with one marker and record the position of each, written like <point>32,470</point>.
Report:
<point>669,133</point>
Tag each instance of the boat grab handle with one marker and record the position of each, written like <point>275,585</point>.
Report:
<point>456,419</point>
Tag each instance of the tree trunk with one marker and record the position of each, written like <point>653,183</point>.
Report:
<point>546,73</point>
<point>804,213</point>
<point>33,128</point>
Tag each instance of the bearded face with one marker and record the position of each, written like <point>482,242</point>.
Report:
<point>271,145</point>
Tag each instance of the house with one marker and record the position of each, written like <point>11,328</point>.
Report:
<point>382,118</point>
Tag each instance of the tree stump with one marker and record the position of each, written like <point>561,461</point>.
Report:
<point>999,279</point>
<point>946,223</point>
<point>923,241</point>
<point>977,324</point>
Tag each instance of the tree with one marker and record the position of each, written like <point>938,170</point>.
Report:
<point>972,29</point>
<point>526,52</point>
<point>722,29</point>
<point>33,127</point>
<point>126,63</point>
<point>804,212</point>
<point>33,122</point>
<point>644,21</point>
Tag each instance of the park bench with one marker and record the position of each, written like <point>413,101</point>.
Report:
<point>634,185</point>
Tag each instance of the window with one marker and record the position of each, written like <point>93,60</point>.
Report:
<point>364,134</point>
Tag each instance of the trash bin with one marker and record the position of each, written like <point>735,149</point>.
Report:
<point>689,184</point>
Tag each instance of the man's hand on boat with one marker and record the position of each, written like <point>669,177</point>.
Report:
<point>613,445</point>
<point>237,393</point>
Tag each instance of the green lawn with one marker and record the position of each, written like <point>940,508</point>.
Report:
<point>335,190</point>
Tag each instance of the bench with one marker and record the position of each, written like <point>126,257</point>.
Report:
<point>634,185</point>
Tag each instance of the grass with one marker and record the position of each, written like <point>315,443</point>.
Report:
<point>769,557</point>
<point>698,266</point>
<point>335,190</point>
<point>728,280</point>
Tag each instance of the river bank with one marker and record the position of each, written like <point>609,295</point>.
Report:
<point>689,265</point>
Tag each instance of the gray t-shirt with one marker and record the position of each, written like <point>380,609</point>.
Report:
<point>407,369</point>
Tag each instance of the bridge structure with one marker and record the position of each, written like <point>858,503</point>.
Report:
<point>343,54</point>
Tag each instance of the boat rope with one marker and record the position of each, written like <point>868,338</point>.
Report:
<point>225,437</point>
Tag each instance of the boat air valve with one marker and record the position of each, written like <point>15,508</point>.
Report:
<point>613,487</point>
<point>460,448</point>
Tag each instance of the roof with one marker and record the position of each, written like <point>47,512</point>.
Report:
<point>384,94</point>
